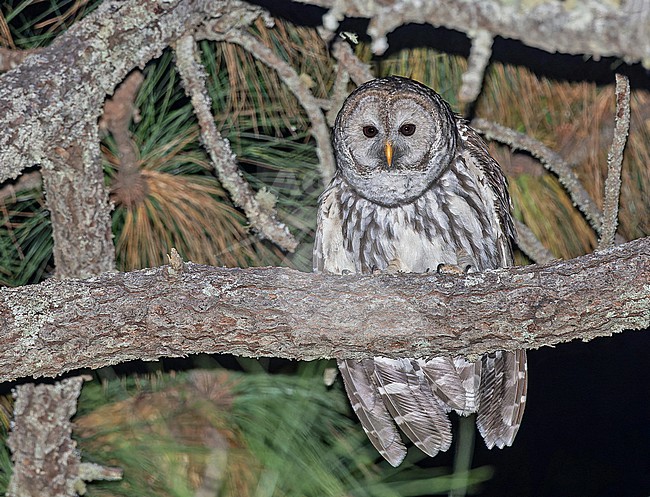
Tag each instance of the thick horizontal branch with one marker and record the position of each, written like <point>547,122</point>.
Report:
<point>60,325</point>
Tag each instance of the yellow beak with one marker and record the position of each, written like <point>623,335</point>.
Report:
<point>389,153</point>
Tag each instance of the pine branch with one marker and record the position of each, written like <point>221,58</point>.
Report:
<point>58,326</point>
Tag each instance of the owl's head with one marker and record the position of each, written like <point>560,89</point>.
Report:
<point>392,139</point>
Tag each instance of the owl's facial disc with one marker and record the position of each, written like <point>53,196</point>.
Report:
<point>391,147</point>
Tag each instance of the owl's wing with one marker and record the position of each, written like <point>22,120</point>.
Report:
<point>330,254</point>
<point>408,397</point>
<point>502,397</point>
<point>504,379</point>
<point>495,188</point>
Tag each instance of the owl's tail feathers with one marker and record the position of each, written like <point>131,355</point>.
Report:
<point>408,398</point>
<point>369,408</point>
<point>455,382</point>
<point>504,384</point>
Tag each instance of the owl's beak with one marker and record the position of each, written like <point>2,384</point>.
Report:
<point>388,150</point>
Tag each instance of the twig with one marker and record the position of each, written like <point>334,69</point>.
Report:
<point>479,56</point>
<point>551,161</point>
<point>615,162</point>
<point>288,75</point>
<point>339,90</point>
<point>193,76</point>
<point>530,245</point>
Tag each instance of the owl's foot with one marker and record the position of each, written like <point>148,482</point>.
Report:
<point>394,266</point>
<point>453,269</point>
<point>464,264</point>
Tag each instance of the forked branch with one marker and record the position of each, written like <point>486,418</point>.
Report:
<point>194,77</point>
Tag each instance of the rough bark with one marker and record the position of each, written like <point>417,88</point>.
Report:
<point>42,446</point>
<point>78,203</point>
<point>58,326</point>
<point>593,27</point>
<point>49,99</point>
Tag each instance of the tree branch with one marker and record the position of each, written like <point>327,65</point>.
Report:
<point>551,161</point>
<point>53,95</point>
<point>45,456</point>
<point>479,57</point>
<point>590,27</point>
<point>193,76</point>
<point>57,326</point>
<point>530,245</point>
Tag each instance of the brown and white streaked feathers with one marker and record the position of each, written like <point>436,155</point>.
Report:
<point>415,188</point>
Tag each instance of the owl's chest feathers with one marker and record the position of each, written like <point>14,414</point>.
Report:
<point>450,221</point>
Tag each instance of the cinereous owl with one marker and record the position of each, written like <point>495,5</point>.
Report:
<point>416,188</point>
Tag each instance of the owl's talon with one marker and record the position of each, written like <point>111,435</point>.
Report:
<point>394,266</point>
<point>452,269</point>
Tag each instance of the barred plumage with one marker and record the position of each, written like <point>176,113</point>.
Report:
<point>415,188</point>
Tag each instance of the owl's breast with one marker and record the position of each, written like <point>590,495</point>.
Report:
<point>440,227</point>
<point>414,251</point>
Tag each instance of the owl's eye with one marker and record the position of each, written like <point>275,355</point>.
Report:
<point>370,131</point>
<point>407,129</point>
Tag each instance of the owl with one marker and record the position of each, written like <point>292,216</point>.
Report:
<point>415,190</point>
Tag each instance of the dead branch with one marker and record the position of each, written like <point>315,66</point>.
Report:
<point>615,163</point>
<point>590,27</point>
<point>479,57</point>
<point>193,76</point>
<point>358,71</point>
<point>58,326</point>
<point>530,245</point>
